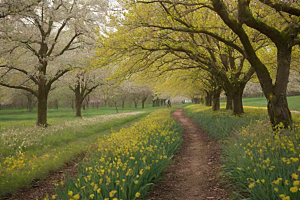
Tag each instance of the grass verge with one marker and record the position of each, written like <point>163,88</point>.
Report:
<point>261,164</point>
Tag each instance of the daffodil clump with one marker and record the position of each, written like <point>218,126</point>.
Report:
<point>125,164</point>
<point>262,163</point>
<point>42,150</point>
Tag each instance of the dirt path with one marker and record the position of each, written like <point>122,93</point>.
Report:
<point>192,174</point>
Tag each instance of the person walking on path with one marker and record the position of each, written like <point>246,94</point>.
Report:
<point>169,103</point>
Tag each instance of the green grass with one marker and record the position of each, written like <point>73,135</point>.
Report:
<point>12,118</point>
<point>293,101</point>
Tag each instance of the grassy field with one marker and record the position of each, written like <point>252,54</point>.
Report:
<point>294,102</point>
<point>12,118</point>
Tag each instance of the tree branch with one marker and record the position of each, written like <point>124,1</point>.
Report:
<point>68,45</point>
<point>20,70</point>
<point>282,6</point>
<point>19,87</point>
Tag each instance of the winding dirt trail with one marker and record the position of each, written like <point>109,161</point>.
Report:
<point>192,174</point>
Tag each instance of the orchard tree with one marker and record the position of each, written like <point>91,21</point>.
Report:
<point>85,82</point>
<point>38,41</point>
<point>166,48</point>
<point>247,22</point>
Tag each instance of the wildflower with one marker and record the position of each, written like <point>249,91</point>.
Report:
<point>70,193</point>
<point>251,185</point>
<point>53,196</point>
<point>294,176</point>
<point>286,182</point>
<point>276,189</point>
<point>239,168</point>
<point>76,197</point>
<point>137,194</point>
<point>286,198</point>
<point>294,189</point>
<point>282,196</point>
<point>136,181</point>
<point>98,191</point>
<point>263,180</point>
<point>296,183</point>
<point>92,196</point>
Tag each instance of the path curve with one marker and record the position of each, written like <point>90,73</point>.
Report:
<point>192,174</point>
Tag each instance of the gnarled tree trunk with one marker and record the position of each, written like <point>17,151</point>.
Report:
<point>216,98</point>
<point>228,101</point>
<point>237,102</point>
<point>208,98</point>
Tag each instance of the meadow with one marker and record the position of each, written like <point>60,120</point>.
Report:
<point>293,101</point>
<point>28,153</point>
<point>259,163</point>
<point>12,118</point>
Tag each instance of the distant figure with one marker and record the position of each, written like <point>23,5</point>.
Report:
<point>169,103</point>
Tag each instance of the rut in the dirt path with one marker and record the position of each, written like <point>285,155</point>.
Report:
<point>192,174</point>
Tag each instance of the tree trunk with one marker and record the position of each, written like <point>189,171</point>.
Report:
<point>143,102</point>
<point>123,104</point>
<point>78,101</point>
<point>229,101</point>
<point>83,106</point>
<point>208,98</point>
<point>278,108</point>
<point>237,102</point>
<point>42,98</point>
<point>135,104</point>
<point>78,106</point>
<point>116,105</point>
<point>279,112</point>
<point>153,103</point>
<point>216,99</point>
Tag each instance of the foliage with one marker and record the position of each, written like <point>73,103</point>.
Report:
<point>260,163</point>
<point>124,165</point>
